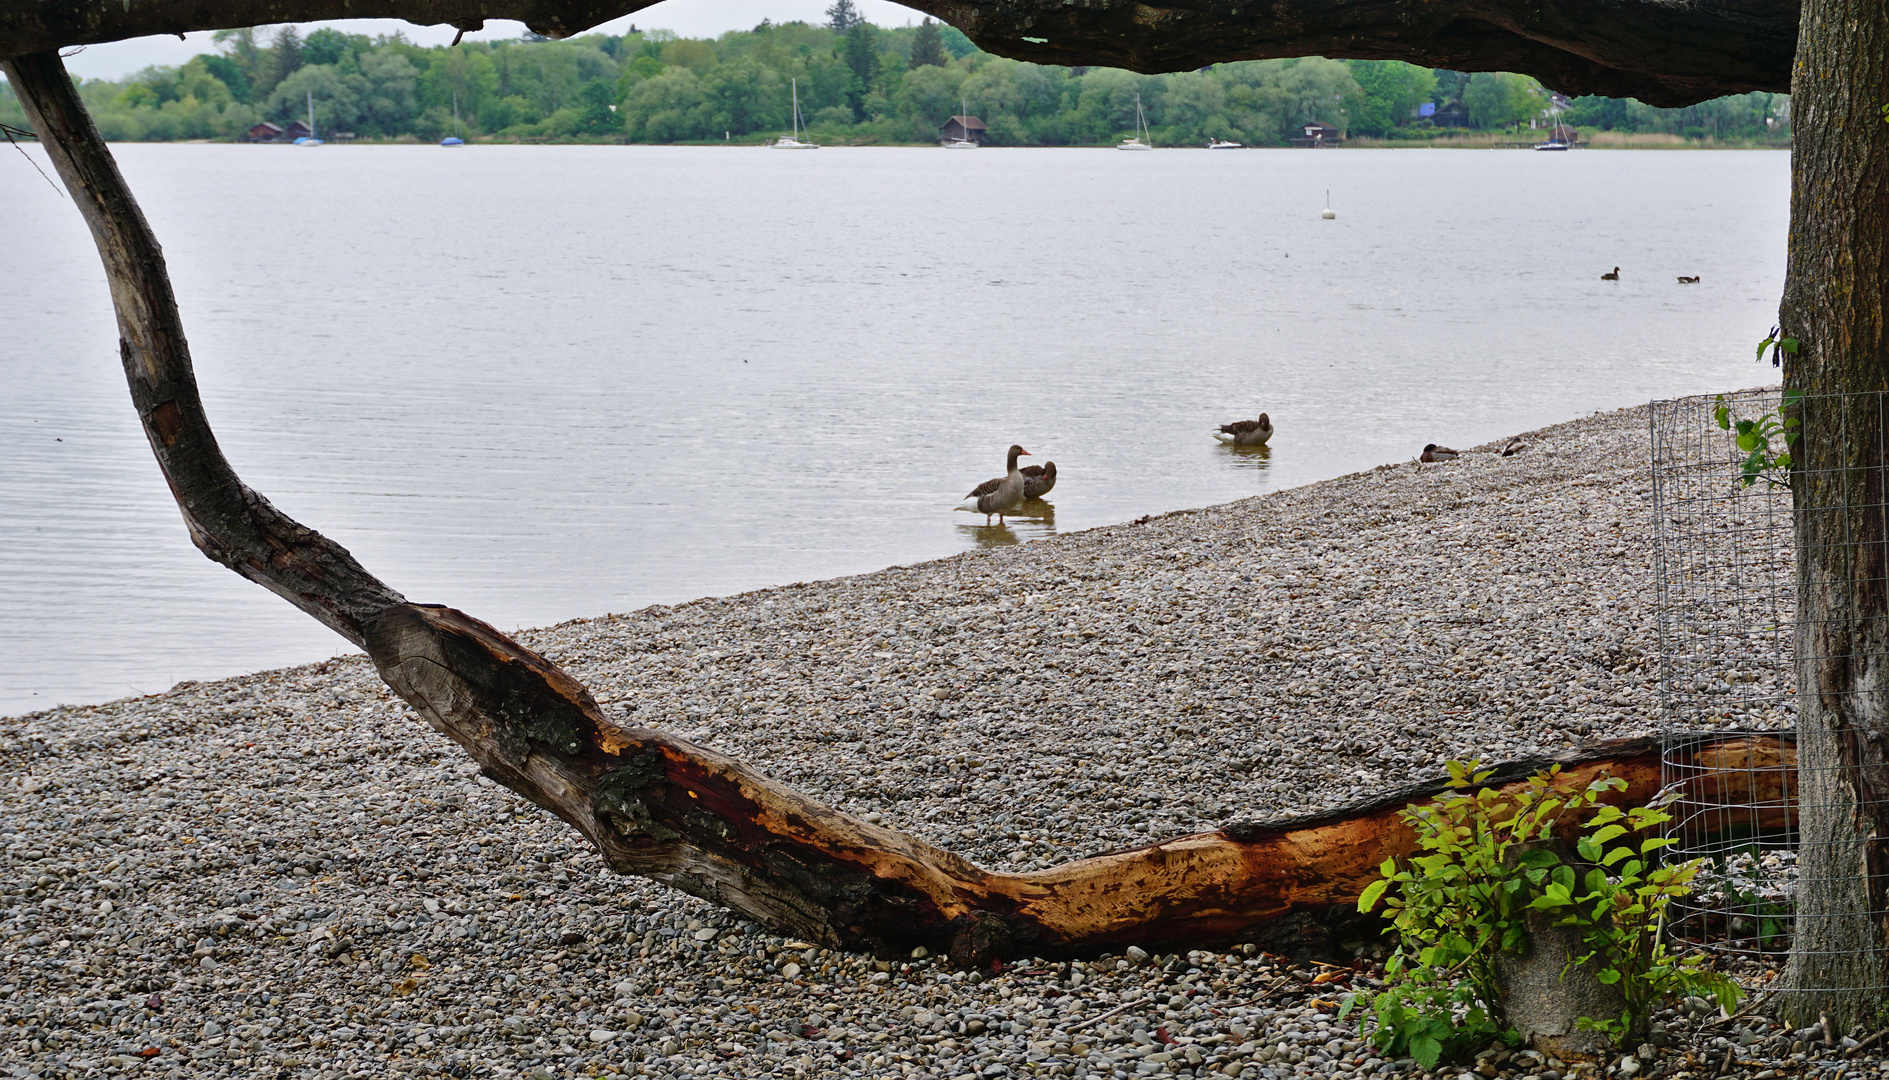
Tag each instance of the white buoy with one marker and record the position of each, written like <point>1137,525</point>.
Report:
<point>1329,214</point>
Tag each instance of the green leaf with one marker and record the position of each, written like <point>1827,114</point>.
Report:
<point>1788,344</point>
<point>1372,893</point>
<point>1608,975</point>
<point>1426,1050</point>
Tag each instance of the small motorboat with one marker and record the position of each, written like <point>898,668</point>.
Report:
<point>1222,144</point>
<point>452,140</point>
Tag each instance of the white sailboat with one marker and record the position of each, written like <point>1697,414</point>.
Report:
<point>963,141</point>
<point>793,142</point>
<point>1140,140</point>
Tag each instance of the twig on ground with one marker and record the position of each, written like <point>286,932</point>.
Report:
<point>1866,1043</point>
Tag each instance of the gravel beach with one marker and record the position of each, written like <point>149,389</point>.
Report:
<point>289,875</point>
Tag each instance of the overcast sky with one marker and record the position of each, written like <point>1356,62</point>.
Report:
<point>690,18</point>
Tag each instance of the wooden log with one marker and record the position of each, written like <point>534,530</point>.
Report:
<point>659,807</point>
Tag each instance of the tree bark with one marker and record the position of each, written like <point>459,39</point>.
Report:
<point>1833,306</point>
<point>1661,52</point>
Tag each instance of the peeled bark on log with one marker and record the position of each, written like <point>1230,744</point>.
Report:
<point>659,807</point>
<point>1663,53</point>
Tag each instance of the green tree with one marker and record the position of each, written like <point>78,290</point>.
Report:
<point>337,97</point>
<point>843,16</point>
<point>243,59</point>
<point>927,47</point>
<point>463,78</point>
<point>928,97</point>
<point>391,102</point>
<point>743,97</point>
<point>1194,108</point>
<point>328,45</point>
<point>285,57</point>
<point>1391,91</point>
<point>598,118</point>
<point>1497,99</point>
<point>230,74</point>
<point>667,108</point>
<point>860,49</point>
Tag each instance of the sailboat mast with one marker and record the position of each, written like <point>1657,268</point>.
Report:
<point>311,114</point>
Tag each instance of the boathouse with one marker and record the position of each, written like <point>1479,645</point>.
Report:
<point>1316,134</point>
<point>296,130</point>
<point>964,127</point>
<point>1451,114</point>
<point>264,132</point>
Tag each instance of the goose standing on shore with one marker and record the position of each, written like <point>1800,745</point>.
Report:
<point>999,496</point>
<point>1038,479</point>
<point>1246,432</point>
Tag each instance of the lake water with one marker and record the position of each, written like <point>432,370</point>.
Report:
<point>538,383</point>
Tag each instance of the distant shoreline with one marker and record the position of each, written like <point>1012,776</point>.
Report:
<point>1673,142</point>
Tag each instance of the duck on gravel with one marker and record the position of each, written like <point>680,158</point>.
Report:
<point>1433,452</point>
<point>999,496</point>
<point>1246,432</point>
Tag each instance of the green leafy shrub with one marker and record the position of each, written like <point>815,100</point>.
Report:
<point>1489,857</point>
<point>1763,461</point>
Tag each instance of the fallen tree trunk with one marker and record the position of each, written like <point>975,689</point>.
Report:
<point>662,808</point>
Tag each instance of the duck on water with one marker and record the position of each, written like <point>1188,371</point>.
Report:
<point>1246,432</point>
<point>1002,495</point>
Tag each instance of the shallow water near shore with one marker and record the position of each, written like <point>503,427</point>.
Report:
<point>538,383</point>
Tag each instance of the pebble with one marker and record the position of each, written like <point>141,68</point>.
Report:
<point>287,874</point>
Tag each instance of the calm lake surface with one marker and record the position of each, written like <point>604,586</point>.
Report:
<point>538,383</point>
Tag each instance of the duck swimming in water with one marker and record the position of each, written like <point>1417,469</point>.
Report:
<point>1246,432</point>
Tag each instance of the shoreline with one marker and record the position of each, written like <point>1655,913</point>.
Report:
<point>309,880</point>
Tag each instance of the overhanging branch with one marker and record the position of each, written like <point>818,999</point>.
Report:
<point>1663,52</point>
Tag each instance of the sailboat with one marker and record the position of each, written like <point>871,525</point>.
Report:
<point>454,139</point>
<point>310,139</point>
<point>963,141</point>
<point>793,142</point>
<point>1560,137</point>
<point>1140,140</point>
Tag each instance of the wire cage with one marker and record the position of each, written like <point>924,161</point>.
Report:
<point>1789,870</point>
<point>1723,556</point>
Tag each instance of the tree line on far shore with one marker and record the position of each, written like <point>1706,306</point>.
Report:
<point>857,83</point>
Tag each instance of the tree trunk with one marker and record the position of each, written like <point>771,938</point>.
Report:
<point>1833,306</point>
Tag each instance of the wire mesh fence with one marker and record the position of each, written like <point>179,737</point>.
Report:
<point>1789,863</point>
<point>1723,555</point>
